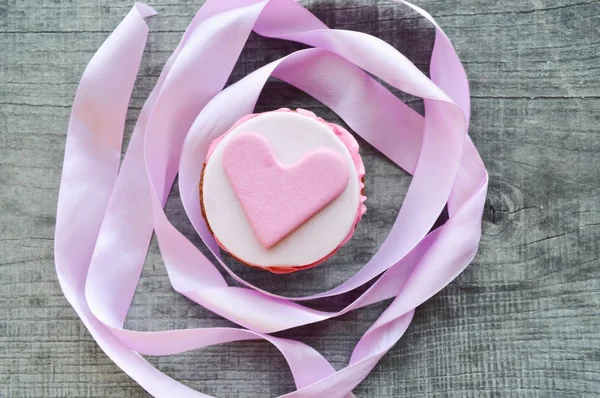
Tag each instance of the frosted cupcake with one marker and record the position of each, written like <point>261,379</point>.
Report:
<point>283,190</point>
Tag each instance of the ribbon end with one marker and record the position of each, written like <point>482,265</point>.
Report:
<point>144,10</point>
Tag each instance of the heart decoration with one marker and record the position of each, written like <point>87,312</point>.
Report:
<point>278,198</point>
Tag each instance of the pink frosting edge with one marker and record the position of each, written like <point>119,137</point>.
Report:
<point>351,144</point>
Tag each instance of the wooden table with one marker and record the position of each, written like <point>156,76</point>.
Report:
<point>522,320</point>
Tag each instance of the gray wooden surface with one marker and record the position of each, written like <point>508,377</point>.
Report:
<point>521,321</point>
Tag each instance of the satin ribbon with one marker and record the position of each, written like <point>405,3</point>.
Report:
<point>106,213</point>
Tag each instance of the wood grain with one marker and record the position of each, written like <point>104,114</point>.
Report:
<point>521,321</point>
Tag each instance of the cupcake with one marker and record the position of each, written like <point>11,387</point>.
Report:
<point>283,190</point>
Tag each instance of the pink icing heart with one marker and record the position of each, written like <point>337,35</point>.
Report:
<point>278,198</point>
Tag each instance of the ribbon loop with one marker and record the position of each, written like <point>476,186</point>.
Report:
<point>103,229</point>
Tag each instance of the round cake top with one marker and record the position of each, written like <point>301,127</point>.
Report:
<point>282,190</point>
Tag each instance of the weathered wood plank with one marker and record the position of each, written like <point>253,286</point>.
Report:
<point>521,321</point>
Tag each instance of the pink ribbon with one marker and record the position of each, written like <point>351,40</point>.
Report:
<point>106,214</point>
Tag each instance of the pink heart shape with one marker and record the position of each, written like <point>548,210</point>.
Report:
<point>278,198</point>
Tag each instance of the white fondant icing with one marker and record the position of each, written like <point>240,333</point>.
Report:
<point>291,135</point>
